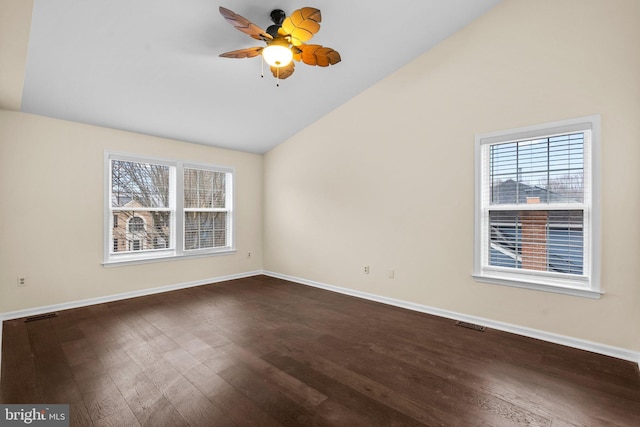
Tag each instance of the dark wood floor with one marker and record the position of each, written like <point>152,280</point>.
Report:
<point>266,352</point>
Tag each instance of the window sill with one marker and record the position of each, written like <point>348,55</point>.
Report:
<point>578,291</point>
<point>163,258</point>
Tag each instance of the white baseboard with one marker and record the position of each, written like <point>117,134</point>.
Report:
<point>116,297</point>
<point>604,349</point>
<point>0,351</point>
<point>607,350</point>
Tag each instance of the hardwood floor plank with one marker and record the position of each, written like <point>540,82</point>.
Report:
<point>241,410</point>
<point>78,415</point>
<point>422,384</point>
<point>194,406</point>
<point>290,386</point>
<point>78,351</point>
<point>448,366</point>
<point>268,397</point>
<point>19,382</point>
<point>119,419</point>
<point>147,403</point>
<point>419,411</point>
<point>266,352</point>
<point>54,377</point>
<point>370,411</point>
<point>105,404</point>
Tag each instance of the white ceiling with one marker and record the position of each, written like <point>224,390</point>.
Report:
<point>152,66</point>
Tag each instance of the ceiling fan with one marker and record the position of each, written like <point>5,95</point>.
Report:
<point>285,40</point>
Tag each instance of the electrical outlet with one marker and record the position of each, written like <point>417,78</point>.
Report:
<point>366,269</point>
<point>391,273</point>
<point>248,254</point>
<point>22,281</point>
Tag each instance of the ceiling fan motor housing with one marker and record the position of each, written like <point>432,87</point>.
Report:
<point>277,16</point>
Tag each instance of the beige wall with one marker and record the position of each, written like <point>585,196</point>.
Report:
<point>52,211</point>
<point>387,179</point>
<point>15,22</point>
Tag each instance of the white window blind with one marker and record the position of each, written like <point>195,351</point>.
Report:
<point>538,240</point>
<point>206,208</point>
<point>529,188</point>
<point>534,206</point>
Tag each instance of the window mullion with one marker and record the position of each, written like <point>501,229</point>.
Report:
<point>539,207</point>
<point>179,206</point>
<point>206,210</point>
<point>139,209</point>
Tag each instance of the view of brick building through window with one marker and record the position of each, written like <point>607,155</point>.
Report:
<point>534,238</point>
<point>139,230</point>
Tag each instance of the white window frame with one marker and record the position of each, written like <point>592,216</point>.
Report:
<point>228,204</point>
<point>585,285</point>
<point>176,244</point>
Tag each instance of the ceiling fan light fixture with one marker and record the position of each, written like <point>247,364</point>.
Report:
<point>277,55</point>
<point>286,40</point>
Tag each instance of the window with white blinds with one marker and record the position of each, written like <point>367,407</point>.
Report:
<point>206,208</point>
<point>159,208</point>
<point>535,215</point>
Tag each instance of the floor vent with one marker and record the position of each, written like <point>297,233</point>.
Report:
<point>470,326</point>
<point>40,317</point>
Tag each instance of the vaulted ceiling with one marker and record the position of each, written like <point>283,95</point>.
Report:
<point>152,66</point>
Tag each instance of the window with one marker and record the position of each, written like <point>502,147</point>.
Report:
<point>136,233</point>
<point>206,209</point>
<point>163,208</point>
<point>136,245</point>
<point>136,225</point>
<point>536,207</point>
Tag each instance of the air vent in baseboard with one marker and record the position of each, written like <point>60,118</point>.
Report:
<point>41,317</point>
<point>470,326</point>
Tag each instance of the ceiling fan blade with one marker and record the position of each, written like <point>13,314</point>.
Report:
<point>307,13</point>
<point>302,24</point>
<point>284,72</point>
<point>315,54</point>
<point>243,53</point>
<point>297,52</point>
<point>244,25</point>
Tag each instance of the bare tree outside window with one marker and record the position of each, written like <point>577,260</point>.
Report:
<point>140,200</point>
<point>571,185</point>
